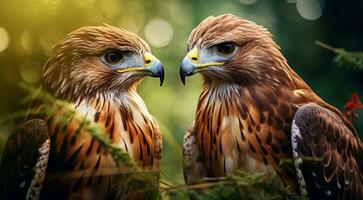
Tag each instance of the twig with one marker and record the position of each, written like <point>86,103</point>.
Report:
<point>326,46</point>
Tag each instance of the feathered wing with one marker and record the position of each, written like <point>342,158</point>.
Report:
<point>328,155</point>
<point>158,145</point>
<point>24,161</point>
<point>192,163</point>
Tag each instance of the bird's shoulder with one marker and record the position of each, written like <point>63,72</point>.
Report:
<point>24,160</point>
<point>328,154</point>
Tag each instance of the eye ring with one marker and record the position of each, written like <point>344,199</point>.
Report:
<point>225,48</point>
<point>113,56</point>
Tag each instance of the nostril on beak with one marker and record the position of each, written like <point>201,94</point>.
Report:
<point>194,59</point>
<point>148,61</point>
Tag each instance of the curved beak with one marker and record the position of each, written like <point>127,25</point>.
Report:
<point>191,64</point>
<point>187,68</point>
<point>151,67</point>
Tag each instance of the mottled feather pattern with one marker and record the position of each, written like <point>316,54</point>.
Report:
<point>193,165</point>
<point>243,128</point>
<point>40,168</point>
<point>127,123</point>
<point>334,170</point>
<point>24,161</point>
<point>77,73</point>
<point>246,109</point>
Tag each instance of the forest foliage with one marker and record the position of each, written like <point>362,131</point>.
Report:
<point>34,28</point>
<point>238,185</point>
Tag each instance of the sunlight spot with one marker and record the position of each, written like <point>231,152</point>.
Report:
<point>158,32</point>
<point>248,2</point>
<point>4,39</point>
<point>27,42</point>
<point>309,9</point>
<point>30,71</point>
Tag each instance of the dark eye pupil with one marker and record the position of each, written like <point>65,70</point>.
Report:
<point>226,48</point>
<point>113,57</point>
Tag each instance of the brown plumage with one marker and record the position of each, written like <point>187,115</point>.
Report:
<point>249,101</point>
<point>96,69</point>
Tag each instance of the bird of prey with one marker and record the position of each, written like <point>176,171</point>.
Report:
<point>96,69</point>
<point>255,111</point>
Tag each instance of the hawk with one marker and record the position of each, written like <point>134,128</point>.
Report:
<point>97,70</point>
<point>255,111</point>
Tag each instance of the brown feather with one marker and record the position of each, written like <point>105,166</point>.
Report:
<point>245,110</point>
<point>75,73</point>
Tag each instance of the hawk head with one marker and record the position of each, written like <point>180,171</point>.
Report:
<point>97,60</point>
<point>228,48</point>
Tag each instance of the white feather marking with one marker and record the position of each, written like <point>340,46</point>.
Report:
<point>39,172</point>
<point>297,159</point>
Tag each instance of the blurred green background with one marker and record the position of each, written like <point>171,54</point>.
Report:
<point>29,29</point>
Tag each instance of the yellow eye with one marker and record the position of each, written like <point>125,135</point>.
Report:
<point>225,48</point>
<point>113,57</point>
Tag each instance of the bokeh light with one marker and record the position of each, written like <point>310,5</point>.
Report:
<point>28,33</point>
<point>309,9</point>
<point>4,39</point>
<point>27,42</point>
<point>158,32</point>
<point>30,71</point>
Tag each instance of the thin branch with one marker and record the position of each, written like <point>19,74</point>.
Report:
<point>326,46</point>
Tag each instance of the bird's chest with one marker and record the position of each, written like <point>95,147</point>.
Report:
<point>79,158</point>
<point>234,134</point>
<point>226,145</point>
<point>127,128</point>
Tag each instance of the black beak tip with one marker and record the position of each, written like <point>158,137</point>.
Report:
<point>161,75</point>
<point>182,75</point>
<point>161,80</point>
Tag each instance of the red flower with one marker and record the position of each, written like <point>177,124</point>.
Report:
<point>351,106</point>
